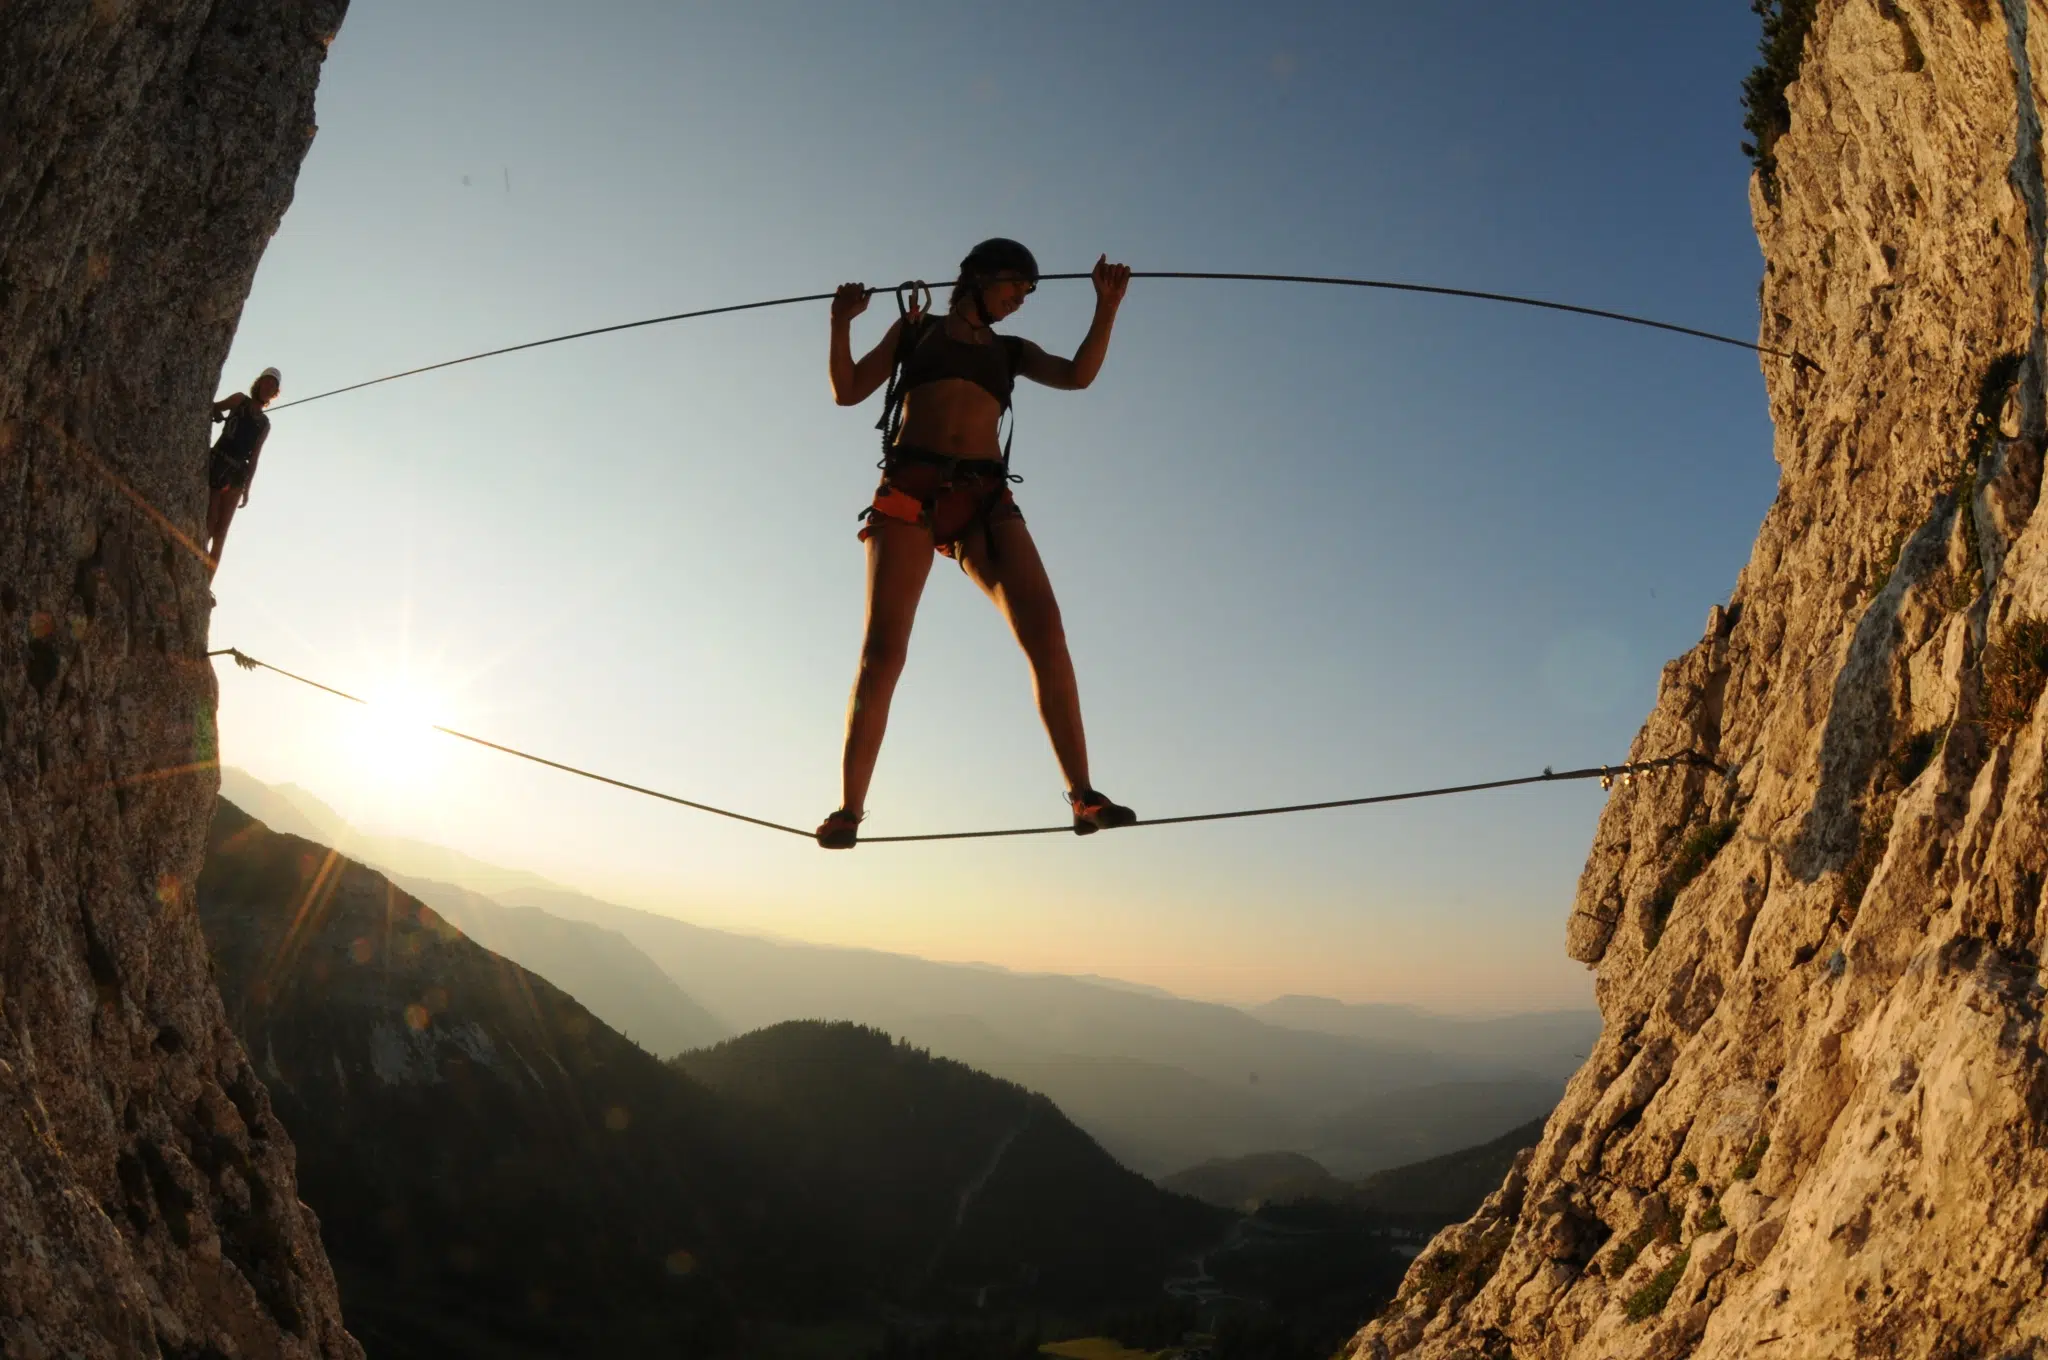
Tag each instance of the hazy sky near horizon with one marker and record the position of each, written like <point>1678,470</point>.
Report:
<point>1310,543</point>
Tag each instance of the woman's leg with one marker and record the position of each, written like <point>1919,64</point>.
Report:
<point>899,562</point>
<point>220,512</point>
<point>1014,577</point>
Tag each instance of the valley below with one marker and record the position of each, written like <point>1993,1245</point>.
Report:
<point>931,1156</point>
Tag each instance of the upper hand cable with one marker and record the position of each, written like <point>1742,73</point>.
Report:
<point>1322,280</point>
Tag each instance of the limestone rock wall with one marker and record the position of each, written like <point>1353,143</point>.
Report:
<point>147,1196</point>
<point>1816,1123</point>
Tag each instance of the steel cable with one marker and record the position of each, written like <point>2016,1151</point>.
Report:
<point>1606,774</point>
<point>1322,280</point>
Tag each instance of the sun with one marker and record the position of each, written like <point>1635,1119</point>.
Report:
<point>395,737</point>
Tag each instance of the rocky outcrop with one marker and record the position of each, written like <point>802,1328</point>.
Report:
<point>1816,1123</point>
<point>147,1196</point>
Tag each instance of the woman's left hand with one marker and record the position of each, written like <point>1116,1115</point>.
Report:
<point>1110,282</point>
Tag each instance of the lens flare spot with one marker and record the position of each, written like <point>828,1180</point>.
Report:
<point>416,1016</point>
<point>617,1117</point>
<point>681,1262</point>
<point>362,950</point>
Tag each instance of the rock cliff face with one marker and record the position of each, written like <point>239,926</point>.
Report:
<point>1816,1123</point>
<point>147,1196</point>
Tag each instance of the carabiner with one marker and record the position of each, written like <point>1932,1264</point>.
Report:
<point>913,307</point>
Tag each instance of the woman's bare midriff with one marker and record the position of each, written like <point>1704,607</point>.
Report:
<point>952,416</point>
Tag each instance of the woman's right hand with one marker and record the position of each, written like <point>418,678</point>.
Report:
<point>850,301</point>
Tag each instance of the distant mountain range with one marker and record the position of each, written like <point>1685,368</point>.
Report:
<point>625,988</point>
<point>1446,1189</point>
<point>1424,1195</point>
<point>1162,1082</point>
<point>1246,1183</point>
<point>498,1173</point>
<point>1546,1044</point>
<point>970,1187</point>
<point>1409,1125</point>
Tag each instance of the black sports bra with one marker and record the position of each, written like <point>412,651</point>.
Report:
<point>933,354</point>
<point>246,429</point>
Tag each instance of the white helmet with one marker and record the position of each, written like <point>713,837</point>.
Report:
<point>271,374</point>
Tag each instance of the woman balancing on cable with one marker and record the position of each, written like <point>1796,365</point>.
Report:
<point>945,487</point>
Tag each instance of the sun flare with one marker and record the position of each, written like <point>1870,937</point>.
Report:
<point>396,737</point>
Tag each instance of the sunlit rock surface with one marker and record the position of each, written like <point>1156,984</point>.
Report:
<point>148,1204</point>
<point>1816,1123</point>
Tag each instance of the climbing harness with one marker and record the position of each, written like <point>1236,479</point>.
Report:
<point>1798,359</point>
<point>947,494</point>
<point>1605,773</point>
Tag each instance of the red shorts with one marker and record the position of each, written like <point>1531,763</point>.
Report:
<point>949,498</point>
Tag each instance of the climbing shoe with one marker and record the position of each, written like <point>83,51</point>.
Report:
<point>1094,812</point>
<point>840,830</point>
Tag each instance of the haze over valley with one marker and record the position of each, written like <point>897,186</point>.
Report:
<point>1161,1082</point>
<point>500,1172</point>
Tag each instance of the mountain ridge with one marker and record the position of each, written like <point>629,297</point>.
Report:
<point>497,1172</point>
<point>1161,1081</point>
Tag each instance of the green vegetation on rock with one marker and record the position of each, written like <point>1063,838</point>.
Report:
<point>1445,1274</point>
<point>1767,115</point>
<point>2015,672</point>
<point>1753,1160</point>
<point>1901,766</point>
<point>1694,855</point>
<point>1981,433</point>
<point>1631,1247</point>
<point>1651,1298</point>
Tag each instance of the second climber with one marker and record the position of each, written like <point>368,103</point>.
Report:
<point>232,464</point>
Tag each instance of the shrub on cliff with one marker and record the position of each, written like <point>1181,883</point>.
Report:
<point>2015,672</point>
<point>1768,117</point>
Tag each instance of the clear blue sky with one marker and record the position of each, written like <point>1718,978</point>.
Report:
<point>1311,543</point>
